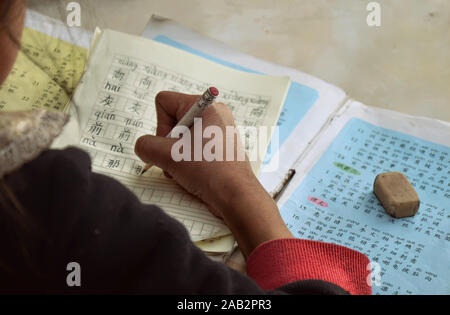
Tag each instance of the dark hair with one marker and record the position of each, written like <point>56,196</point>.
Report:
<point>6,16</point>
<point>6,8</point>
<point>17,227</point>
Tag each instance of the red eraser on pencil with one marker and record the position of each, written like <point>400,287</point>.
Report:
<point>214,92</point>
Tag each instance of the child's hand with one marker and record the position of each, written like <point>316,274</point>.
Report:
<point>210,181</point>
<point>229,188</point>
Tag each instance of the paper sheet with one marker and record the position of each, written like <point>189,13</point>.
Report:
<point>115,105</point>
<point>332,197</point>
<point>45,74</point>
<point>309,103</point>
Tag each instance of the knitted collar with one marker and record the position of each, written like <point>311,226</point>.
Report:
<point>24,135</point>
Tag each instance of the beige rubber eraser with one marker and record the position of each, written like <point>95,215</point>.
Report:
<point>396,194</point>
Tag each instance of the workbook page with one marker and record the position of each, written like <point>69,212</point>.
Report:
<point>331,198</point>
<point>48,67</point>
<point>114,105</point>
<point>44,75</point>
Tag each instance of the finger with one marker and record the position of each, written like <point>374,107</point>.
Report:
<point>155,150</point>
<point>170,108</point>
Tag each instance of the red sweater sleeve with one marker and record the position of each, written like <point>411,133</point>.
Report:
<point>279,262</point>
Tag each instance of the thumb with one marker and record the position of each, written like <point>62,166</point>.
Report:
<point>155,150</point>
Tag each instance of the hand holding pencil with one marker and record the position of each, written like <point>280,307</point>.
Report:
<point>199,177</point>
<point>229,188</point>
<point>205,100</point>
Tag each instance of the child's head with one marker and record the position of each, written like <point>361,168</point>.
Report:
<point>12,13</point>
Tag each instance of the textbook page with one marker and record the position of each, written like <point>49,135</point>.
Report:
<point>331,197</point>
<point>114,105</point>
<point>44,75</point>
<point>308,105</point>
<point>48,66</point>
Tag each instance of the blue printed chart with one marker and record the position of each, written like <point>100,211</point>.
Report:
<point>335,203</point>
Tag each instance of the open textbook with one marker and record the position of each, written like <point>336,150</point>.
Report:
<point>48,66</point>
<point>337,146</point>
<point>44,75</point>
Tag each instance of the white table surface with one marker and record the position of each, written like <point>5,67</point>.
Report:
<point>403,65</point>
